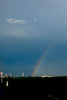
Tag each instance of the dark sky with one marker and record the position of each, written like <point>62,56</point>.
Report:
<point>27,27</point>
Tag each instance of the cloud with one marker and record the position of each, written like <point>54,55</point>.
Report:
<point>61,8</point>
<point>35,19</point>
<point>15,21</point>
<point>0,20</point>
<point>13,32</point>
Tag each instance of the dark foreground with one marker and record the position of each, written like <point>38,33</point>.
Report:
<point>34,88</point>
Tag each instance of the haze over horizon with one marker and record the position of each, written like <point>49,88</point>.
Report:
<point>27,27</point>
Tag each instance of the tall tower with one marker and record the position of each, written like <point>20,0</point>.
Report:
<point>1,73</point>
<point>10,74</point>
<point>22,74</point>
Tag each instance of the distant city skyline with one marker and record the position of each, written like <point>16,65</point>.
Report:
<point>27,27</point>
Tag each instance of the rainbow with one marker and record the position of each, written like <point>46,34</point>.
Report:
<point>40,61</point>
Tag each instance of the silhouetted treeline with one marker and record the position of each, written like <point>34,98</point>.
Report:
<point>33,88</point>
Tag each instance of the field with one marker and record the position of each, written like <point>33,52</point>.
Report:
<point>32,88</point>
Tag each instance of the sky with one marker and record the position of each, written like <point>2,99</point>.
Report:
<point>27,28</point>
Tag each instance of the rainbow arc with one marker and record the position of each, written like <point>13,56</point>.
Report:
<point>40,61</point>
